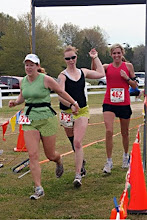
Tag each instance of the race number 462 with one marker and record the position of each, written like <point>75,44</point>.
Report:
<point>117,95</point>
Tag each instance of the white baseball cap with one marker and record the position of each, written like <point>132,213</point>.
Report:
<point>32,57</point>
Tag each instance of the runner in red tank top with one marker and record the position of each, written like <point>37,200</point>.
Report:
<point>116,103</point>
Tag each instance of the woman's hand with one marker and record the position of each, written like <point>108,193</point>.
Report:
<point>12,103</point>
<point>124,75</point>
<point>75,109</point>
<point>93,53</point>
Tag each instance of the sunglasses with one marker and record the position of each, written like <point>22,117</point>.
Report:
<point>68,58</point>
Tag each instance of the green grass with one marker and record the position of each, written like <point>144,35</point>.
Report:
<point>94,200</point>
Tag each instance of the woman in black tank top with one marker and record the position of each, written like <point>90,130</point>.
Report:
<point>72,80</point>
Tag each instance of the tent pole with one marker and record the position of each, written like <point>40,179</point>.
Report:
<point>145,106</point>
<point>33,28</point>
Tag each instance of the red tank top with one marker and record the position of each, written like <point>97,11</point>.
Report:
<point>117,92</point>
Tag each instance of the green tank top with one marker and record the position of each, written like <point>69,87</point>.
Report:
<point>35,92</point>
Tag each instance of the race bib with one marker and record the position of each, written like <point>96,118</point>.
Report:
<point>66,119</point>
<point>117,95</point>
<point>23,119</point>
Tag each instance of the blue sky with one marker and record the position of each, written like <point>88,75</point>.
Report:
<point>123,24</point>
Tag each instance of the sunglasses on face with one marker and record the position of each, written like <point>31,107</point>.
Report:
<point>68,58</point>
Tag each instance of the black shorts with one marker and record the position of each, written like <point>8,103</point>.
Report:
<point>136,93</point>
<point>123,111</point>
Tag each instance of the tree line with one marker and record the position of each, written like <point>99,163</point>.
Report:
<point>15,43</point>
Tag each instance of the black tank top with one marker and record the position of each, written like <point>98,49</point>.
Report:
<point>76,90</point>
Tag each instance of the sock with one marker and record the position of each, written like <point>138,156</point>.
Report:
<point>71,141</point>
<point>126,155</point>
<point>38,187</point>
<point>109,160</point>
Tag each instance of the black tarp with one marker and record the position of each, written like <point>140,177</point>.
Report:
<point>49,3</point>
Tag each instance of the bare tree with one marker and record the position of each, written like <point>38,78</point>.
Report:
<point>139,58</point>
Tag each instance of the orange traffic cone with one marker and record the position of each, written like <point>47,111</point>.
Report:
<point>114,214</point>
<point>20,142</point>
<point>138,194</point>
<point>124,203</point>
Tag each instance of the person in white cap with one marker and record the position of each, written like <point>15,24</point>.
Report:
<point>32,57</point>
<point>39,119</point>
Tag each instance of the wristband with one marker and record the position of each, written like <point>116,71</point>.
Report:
<point>128,79</point>
<point>70,105</point>
<point>95,57</point>
<point>134,78</point>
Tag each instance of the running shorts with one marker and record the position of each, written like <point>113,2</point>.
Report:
<point>135,93</point>
<point>83,112</point>
<point>46,127</point>
<point>123,111</point>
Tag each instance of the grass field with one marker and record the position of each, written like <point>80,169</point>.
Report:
<point>94,200</point>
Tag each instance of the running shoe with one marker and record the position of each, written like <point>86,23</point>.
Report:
<point>38,192</point>
<point>107,168</point>
<point>59,170</point>
<point>1,165</point>
<point>125,161</point>
<point>77,181</point>
<point>83,170</point>
<point>138,100</point>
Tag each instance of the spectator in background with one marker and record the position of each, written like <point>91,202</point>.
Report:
<point>137,93</point>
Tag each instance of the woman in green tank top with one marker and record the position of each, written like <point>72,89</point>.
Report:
<point>39,119</point>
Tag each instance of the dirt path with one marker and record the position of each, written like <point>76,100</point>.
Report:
<point>135,107</point>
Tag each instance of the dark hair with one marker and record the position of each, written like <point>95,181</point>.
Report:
<point>41,70</point>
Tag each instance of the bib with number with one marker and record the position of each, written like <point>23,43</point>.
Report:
<point>23,119</point>
<point>66,119</point>
<point>117,95</point>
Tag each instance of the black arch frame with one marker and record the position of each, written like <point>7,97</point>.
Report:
<point>57,3</point>
<point>50,3</point>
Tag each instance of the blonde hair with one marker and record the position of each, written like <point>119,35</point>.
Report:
<point>114,46</point>
<point>124,59</point>
<point>70,48</point>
